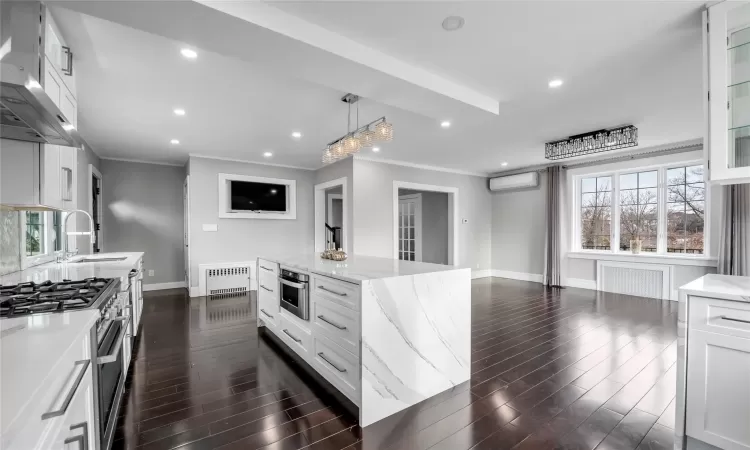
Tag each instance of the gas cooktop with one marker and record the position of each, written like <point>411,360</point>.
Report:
<point>48,297</point>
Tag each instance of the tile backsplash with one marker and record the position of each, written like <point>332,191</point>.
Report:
<point>10,240</point>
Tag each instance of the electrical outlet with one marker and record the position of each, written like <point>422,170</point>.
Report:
<point>151,273</point>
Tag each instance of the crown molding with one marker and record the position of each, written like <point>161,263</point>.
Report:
<point>219,158</point>
<point>140,161</point>
<point>422,166</point>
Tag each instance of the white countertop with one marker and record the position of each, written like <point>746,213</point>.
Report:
<point>30,348</point>
<point>358,268</point>
<point>77,271</point>
<point>725,287</point>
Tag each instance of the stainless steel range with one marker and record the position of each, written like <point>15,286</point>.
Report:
<point>113,334</point>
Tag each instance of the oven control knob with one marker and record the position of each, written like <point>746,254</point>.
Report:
<point>112,314</point>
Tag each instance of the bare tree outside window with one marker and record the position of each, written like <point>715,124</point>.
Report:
<point>639,211</point>
<point>596,212</point>
<point>686,206</point>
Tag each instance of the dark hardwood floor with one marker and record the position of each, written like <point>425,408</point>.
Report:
<point>571,368</point>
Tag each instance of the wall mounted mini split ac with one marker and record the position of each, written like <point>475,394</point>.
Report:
<point>518,181</point>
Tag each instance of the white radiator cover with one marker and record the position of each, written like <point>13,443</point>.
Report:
<point>226,278</point>
<point>643,280</point>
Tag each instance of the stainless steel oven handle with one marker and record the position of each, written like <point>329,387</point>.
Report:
<point>292,336</point>
<point>71,393</point>
<point>324,358</point>
<point>112,357</point>
<point>333,324</point>
<point>293,284</point>
<point>340,294</point>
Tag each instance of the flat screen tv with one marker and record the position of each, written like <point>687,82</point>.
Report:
<point>258,197</point>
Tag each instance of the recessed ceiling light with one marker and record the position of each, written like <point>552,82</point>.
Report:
<point>376,149</point>
<point>296,134</point>
<point>174,142</point>
<point>445,124</point>
<point>179,112</point>
<point>188,53</point>
<point>504,163</point>
<point>267,154</point>
<point>453,23</point>
<point>555,83</point>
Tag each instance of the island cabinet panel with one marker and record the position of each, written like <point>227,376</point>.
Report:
<point>338,366</point>
<point>296,337</point>
<point>720,316</point>
<point>336,322</point>
<point>718,394</point>
<point>267,266</point>
<point>339,292</point>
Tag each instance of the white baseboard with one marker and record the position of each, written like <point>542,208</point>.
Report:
<point>162,286</point>
<point>533,277</point>
<point>475,273</point>
<point>581,283</point>
<point>195,291</point>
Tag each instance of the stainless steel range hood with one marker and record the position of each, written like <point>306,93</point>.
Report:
<point>27,113</point>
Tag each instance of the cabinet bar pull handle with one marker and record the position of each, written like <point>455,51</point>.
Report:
<point>269,290</point>
<point>84,436</point>
<point>340,327</point>
<point>734,320</point>
<point>323,357</point>
<point>69,69</point>
<point>266,268</point>
<point>266,313</point>
<point>340,294</point>
<point>291,336</point>
<point>48,415</point>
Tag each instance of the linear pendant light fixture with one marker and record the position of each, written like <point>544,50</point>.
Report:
<point>379,130</point>
<point>592,142</point>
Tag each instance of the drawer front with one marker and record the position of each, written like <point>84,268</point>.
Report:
<point>339,292</point>
<point>76,429</point>
<point>295,337</point>
<point>268,307</point>
<point>338,366</point>
<point>267,266</point>
<point>336,322</point>
<point>267,280</point>
<point>720,316</point>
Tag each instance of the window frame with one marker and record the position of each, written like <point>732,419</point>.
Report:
<point>661,247</point>
<point>50,253</point>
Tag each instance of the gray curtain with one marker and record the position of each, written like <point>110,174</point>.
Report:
<point>553,244</point>
<point>734,241</point>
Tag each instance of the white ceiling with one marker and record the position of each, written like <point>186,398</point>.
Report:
<point>622,63</point>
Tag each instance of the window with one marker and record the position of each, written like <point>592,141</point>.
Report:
<point>686,206</point>
<point>660,208</point>
<point>596,213</point>
<point>36,242</point>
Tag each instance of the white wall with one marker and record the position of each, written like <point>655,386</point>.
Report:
<point>244,239</point>
<point>373,209</point>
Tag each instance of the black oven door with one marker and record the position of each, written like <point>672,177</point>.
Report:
<point>111,375</point>
<point>294,297</point>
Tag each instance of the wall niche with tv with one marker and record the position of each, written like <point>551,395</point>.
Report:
<point>249,197</point>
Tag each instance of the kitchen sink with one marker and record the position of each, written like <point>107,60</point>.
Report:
<point>93,260</point>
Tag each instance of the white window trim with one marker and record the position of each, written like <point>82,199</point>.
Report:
<point>42,258</point>
<point>614,253</point>
<point>225,211</point>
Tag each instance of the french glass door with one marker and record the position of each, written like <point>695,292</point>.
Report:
<point>410,227</point>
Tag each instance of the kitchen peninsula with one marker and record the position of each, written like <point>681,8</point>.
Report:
<point>387,334</point>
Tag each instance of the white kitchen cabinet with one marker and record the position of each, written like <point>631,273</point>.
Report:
<point>718,394</point>
<point>59,54</point>
<point>68,177</point>
<point>268,293</point>
<point>50,194</point>
<point>727,60</point>
<point>77,428</point>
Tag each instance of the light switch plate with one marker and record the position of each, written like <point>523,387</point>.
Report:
<point>210,227</point>
<point>151,273</point>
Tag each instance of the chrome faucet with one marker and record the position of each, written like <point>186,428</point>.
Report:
<point>66,253</point>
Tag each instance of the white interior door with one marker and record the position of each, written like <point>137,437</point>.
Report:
<point>410,227</point>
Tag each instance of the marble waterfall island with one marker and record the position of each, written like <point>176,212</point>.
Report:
<point>386,334</point>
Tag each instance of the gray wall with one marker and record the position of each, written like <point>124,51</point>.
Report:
<point>244,239</point>
<point>373,209</point>
<point>435,217</point>
<point>518,223</point>
<point>85,157</point>
<point>143,211</point>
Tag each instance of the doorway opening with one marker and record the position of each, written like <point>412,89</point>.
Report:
<point>95,207</point>
<point>425,227</point>
<point>331,215</point>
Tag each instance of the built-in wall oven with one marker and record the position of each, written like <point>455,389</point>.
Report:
<point>113,336</point>
<point>295,292</point>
